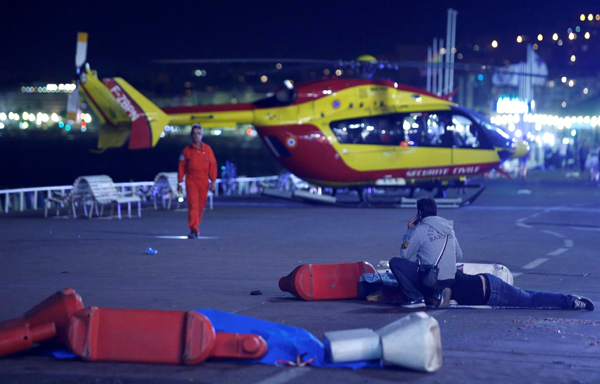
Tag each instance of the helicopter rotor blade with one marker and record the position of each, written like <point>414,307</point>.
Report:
<point>81,50</point>
<point>244,61</point>
<point>80,58</point>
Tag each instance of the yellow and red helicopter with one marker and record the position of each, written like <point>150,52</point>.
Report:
<point>337,133</point>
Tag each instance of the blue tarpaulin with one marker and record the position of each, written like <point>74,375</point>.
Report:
<point>285,342</point>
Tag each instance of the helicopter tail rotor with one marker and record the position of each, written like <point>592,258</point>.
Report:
<point>80,58</point>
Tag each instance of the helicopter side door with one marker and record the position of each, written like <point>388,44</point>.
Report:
<point>472,148</point>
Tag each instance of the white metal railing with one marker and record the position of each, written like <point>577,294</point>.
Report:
<point>12,198</point>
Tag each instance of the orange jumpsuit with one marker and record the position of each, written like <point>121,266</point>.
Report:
<point>198,166</point>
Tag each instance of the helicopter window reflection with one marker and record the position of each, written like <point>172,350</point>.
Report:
<point>381,130</point>
<point>466,134</point>
<point>428,129</point>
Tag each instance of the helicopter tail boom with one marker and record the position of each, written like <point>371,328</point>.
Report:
<point>212,116</point>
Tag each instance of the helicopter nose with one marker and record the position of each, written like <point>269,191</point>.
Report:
<point>521,150</point>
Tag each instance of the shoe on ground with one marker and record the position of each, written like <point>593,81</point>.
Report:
<point>419,303</point>
<point>583,303</point>
<point>194,235</point>
<point>444,298</point>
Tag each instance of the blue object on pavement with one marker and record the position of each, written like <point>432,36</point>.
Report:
<point>286,343</point>
<point>151,251</point>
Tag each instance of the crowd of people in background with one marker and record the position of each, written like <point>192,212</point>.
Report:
<point>582,158</point>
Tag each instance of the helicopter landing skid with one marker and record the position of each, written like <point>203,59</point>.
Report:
<point>410,201</point>
<point>371,200</point>
<point>444,202</point>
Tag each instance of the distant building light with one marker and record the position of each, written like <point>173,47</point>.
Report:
<point>555,37</point>
<point>460,56</point>
<point>582,17</point>
<point>560,43</point>
<point>338,72</point>
<point>571,36</point>
<point>540,37</point>
<point>563,79</point>
<point>217,132</point>
<point>535,46</point>
<point>264,78</point>
<point>519,39</point>
<point>326,72</point>
<point>571,83</point>
<point>597,17</point>
<point>573,133</point>
<point>587,35</point>
<point>516,106</point>
<point>278,66</point>
<point>494,44</point>
<point>578,29</point>
<point>573,58</point>
<point>563,104</point>
<point>585,91</point>
<point>590,17</point>
<point>548,138</point>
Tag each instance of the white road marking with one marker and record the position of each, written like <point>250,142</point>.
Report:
<point>568,243</point>
<point>182,237</point>
<point>585,229</point>
<point>520,223</point>
<point>553,233</point>
<point>535,263</point>
<point>557,252</point>
<point>285,376</point>
<point>517,274</point>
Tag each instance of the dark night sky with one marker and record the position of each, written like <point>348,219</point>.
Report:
<point>38,37</point>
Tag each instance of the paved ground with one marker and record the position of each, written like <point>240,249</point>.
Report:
<point>546,229</point>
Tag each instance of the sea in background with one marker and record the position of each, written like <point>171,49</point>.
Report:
<point>40,158</point>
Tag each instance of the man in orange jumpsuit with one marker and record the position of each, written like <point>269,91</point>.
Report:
<point>197,162</point>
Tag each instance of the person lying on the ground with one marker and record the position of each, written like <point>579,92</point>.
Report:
<point>481,289</point>
<point>487,289</point>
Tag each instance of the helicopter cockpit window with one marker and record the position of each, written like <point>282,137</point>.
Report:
<point>439,130</point>
<point>375,130</point>
<point>466,134</point>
